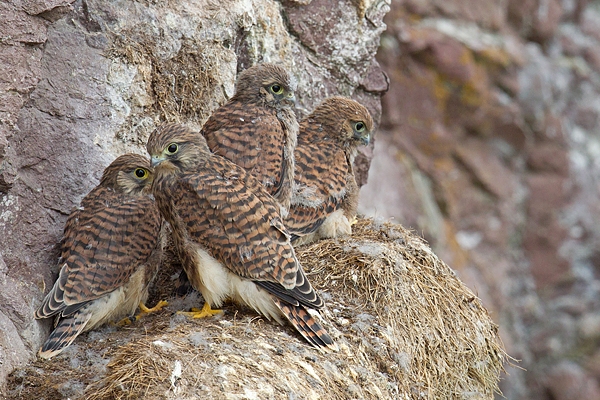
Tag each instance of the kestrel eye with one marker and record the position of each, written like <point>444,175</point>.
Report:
<point>172,149</point>
<point>141,173</point>
<point>277,89</point>
<point>359,126</point>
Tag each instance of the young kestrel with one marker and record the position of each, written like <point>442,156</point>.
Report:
<point>110,253</point>
<point>326,194</point>
<point>229,234</point>
<point>257,128</point>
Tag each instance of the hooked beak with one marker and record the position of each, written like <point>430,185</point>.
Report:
<point>156,160</point>
<point>290,99</point>
<point>366,139</point>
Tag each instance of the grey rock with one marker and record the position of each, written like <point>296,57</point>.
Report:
<point>82,82</point>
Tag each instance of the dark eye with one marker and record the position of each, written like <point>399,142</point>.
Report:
<point>172,148</point>
<point>141,173</point>
<point>359,126</point>
<point>277,89</point>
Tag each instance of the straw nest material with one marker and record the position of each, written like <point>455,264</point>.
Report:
<point>406,326</point>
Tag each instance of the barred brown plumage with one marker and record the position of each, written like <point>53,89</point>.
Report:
<point>257,128</point>
<point>110,253</point>
<point>228,232</point>
<point>325,199</point>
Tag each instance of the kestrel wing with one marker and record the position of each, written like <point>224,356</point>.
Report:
<point>227,212</point>
<point>321,179</point>
<point>252,138</point>
<point>240,226</point>
<point>111,235</point>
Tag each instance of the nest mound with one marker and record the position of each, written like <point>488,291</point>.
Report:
<point>406,326</point>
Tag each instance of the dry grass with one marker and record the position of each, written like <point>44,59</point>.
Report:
<point>184,85</point>
<point>407,328</point>
<point>439,339</point>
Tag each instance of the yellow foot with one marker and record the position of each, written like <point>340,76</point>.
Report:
<point>157,307</point>
<point>125,321</point>
<point>206,311</point>
<point>354,221</point>
<point>143,311</point>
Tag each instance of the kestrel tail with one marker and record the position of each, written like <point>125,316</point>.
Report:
<point>110,253</point>
<point>326,194</point>
<point>229,234</point>
<point>257,129</point>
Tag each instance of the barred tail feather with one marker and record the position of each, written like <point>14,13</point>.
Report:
<point>64,334</point>
<point>306,325</point>
<point>53,303</point>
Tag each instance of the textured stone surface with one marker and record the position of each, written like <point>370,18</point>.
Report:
<point>491,123</point>
<point>568,381</point>
<point>82,82</point>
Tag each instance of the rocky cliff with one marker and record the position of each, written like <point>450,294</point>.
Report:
<point>489,146</point>
<point>82,82</point>
<point>488,142</point>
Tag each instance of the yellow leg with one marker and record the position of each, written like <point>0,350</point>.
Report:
<point>157,307</point>
<point>206,311</point>
<point>354,221</point>
<point>143,311</point>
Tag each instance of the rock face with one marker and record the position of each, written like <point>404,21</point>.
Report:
<point>82,82</point>
<point>489,146</point>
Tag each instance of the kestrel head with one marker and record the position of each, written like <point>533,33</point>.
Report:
<point>347,120</point>
<point>130,174</point>
<point>176,146</point>
<point>267,84</point>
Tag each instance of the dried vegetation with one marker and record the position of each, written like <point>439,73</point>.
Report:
<point>406,326</point>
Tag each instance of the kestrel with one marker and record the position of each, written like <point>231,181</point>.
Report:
<point>229,234</point>
<point>257,128</point>
<point>326,194</point>
<point>110,253</point>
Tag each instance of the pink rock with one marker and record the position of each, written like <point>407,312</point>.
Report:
<point>537,19</point>
<point>589,23</point>
<point>568,381</point>
<point>18,26</point>
<point>481,161</point>
<point>593,365</point>
<point>544,234</point>
<point>549,157</point>
<point>592,56</point>
<point>35,7</point>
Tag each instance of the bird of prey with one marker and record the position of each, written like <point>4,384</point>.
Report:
<point>257,128</point>
<point>110,253</point>
<point>229,234</point>
<point>326,194</point>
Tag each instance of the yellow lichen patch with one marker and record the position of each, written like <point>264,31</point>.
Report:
<point>494,56</point>
<point>441,90</point>
<point>460,256</point>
